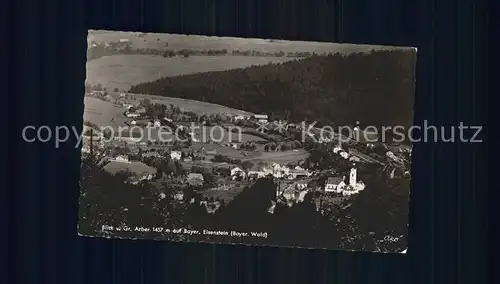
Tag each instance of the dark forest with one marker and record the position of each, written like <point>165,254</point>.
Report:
<point>374,88</point>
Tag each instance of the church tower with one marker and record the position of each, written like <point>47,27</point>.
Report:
<point>352,177</point>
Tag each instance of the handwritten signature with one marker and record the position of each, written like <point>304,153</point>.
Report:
<point>391,239</point>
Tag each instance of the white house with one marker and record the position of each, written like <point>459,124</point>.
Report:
<point>133,115</point>
<point>360,186</point>
<point>341,186</point>
<point>237,172</point>
<point>123,159</point>
<point>175,155</point>
<point>124,40</point>
<point>301,184</point>
<point>277,170</point>
<point>344,154</point>
<point>290,193</point>
<point>238,118</point>
<point>299,168</point>
<point>157,124</point>
<point>293,174</point>
<point>390,155</point>
<point>133,122</point>
<point>146,177</point>
<point>263,118</point>
<point>256,174</point>
<point>332,183</point>
<point>349,190</point>
<point>302,195</point>
<point>178,195</point>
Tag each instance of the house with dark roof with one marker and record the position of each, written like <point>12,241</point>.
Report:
<point>263,118</point>
<point>332,183</point>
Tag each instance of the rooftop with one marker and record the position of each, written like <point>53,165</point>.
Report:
<point>333,180</point>
<point>195,175</point>
<point>260,116</point>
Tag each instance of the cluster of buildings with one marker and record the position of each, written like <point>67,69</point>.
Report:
<point>345,155</point>
<point>260,118</point>
<point>97,94</point>
<point>275,170</point>
<point>294,192</point>
<point>133,112</point>
<point>343,186</point>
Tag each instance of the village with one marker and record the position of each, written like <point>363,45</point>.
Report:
<point>218,169</point>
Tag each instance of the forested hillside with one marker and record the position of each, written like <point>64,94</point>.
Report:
<point>374,88</point>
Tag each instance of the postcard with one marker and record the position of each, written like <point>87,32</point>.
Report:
<point>241,141</point>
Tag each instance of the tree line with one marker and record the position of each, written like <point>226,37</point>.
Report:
<point>116,48</point>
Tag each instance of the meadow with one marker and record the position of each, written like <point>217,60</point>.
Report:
<point>221,150</point>
<point>124,71</point>
<point>103,113</point>
<point>196,42</point>
<point>281,157</point>
<point>137,168</point>
<point>221,135</point>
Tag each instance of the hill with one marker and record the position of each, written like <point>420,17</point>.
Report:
<point>375,88</point>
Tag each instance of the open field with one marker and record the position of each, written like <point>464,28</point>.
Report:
<point>192,42</point>
<point>137,168</point>
<point>221,150</point>
<point>124,71</point>
<point>102,112</point>
<point>221,135</point>
<point>203,164</point>
<point>283,157</point>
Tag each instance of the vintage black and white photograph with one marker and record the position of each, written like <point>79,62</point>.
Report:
<point>262,142</point>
